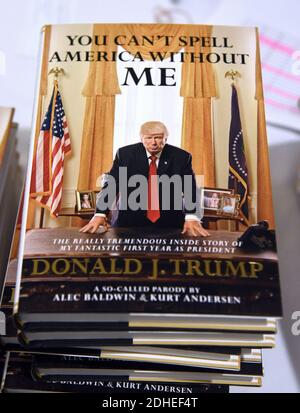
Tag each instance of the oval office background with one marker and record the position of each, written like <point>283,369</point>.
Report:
<point>280,41</point>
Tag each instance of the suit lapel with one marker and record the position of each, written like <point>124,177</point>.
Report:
<point>142,164</point>
<point>164,160</point>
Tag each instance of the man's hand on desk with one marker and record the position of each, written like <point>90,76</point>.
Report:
<point>94,224</point>
<point>191,227</point>
<point>194,228</point>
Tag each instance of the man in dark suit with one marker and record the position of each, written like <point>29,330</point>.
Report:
<point>150,159</point>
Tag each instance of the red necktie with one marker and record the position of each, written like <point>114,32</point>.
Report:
<point>153,212</point>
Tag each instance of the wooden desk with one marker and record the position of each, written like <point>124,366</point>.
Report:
<point>215,218</point>
<point>70,212</point>
<point>67,212</point>
<point>41,242</point>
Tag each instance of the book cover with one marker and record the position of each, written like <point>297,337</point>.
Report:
<point>148,187</point>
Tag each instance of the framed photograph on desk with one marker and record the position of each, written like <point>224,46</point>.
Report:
<point>229,206</point>
<point>85,201</point>
<point>211,199</point>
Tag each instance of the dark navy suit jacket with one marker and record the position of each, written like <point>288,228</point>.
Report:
<point>172,161</point>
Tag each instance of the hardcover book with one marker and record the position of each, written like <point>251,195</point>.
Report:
<point>127,338</point>
<point>60,370</point>
<point>49,361</point>
<point>11,179</point>
<point>148,196</point>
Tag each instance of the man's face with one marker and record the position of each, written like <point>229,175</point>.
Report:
<point>154,142</point>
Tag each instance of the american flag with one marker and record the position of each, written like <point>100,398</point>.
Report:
<point>238,171</point>
<point>48,164</point>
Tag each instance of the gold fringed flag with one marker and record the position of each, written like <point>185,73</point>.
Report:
<point>238,171</point>
<point>48,164</point>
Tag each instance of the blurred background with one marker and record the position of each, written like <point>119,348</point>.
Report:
<point>20,24</point>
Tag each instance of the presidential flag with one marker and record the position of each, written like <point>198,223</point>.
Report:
<point>238,171</point>
<point>48,165</point>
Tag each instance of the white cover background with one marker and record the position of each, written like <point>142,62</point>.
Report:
<point>140,104</point>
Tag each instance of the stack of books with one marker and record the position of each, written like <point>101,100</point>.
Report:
<point>184,336</point>
<point>151,309</point>
<point>11,178</point>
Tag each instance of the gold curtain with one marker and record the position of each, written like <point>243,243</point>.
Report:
<point>264,188</point>
<point>43,88</point>
<point>98,128</point>
<point>197,137</point>
<point>97,140</point>
<point>197,88</point>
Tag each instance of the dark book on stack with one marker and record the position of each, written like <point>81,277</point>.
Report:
<point>11,180</point>
<point>55,311</point>
<point>147,289</point>
<point>200,364</point>
<point>58,311</point>
<point>19,379</point>
<point>245,364</point>
<point>47,367</point>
